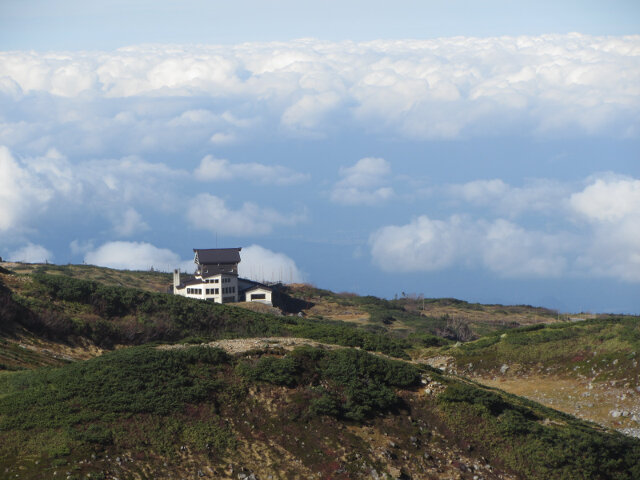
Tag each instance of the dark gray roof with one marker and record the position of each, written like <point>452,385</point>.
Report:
<point>193,281</point>
<point>216,256</point>
<point>244,285</point>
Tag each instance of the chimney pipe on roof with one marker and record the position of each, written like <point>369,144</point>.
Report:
<point>176,279</point>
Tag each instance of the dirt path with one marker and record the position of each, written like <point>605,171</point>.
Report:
<point>241,345</point>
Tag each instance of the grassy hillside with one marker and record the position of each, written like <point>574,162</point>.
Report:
<point>153,405</point>
<point>413,316</point>
<point>63,308</point>
<point>144,412</point>
<point>589,349</point>
<point>589,368</point>
<point>151,281</point>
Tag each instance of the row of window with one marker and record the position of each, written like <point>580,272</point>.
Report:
<point>211,291</point>
<point>216,280</point>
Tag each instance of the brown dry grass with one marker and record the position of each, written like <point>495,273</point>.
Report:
<point>151,281</point>
<point>574,396</point>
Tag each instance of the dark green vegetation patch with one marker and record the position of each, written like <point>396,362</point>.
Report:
<point>535,441</point>
<point>151,401</point>
<point>136,398</point>
<point>59,307</point>
<point>344,383</point>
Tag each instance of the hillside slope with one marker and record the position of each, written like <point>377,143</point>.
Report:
<point>161,400</point>
<point>588,368</point>
<point>196,412</point>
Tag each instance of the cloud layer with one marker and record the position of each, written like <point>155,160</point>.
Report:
<point>219,169</point>
<point>441,88</point>
<point>264,265</point>
<point>31,253</point>
<point>278,139</point>
<point>363,183</point>
<point>258,263</point>
<point>600,237</point>
<point>500,246</point>
<point>134,256</point>
<point>209,212</point>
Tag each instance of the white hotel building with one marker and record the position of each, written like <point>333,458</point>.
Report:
<point>216,279</point>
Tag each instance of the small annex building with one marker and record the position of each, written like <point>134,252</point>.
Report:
<point>216,279</point>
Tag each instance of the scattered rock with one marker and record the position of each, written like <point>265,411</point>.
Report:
<point>504,368</point>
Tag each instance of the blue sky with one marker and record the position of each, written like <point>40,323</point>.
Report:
<point>489,153</point>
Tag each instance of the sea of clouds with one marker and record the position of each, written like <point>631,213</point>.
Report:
<point>78,129</point>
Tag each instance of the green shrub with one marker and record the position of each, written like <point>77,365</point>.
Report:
<point>135,380</point>
<point>325,404</point>
<point>209,436</point>
<point>95,433</point>
<point>278,371</point>
<point>461,392</point>
<point>357,384</point>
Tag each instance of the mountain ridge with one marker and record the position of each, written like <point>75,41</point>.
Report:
<point>289,406</point>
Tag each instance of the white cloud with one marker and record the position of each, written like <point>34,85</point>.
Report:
<point>422,245</point>
<point>130,180</point>
<point>593,232</point>
<point>512,251</point>
<point>222,138</point>
<point>537,195</point>
<point>135,256</point>
<point>261,264</point>
<point>611,206</point>
<point>500,246</point>
<point>437,88</point>
<point>31,253</point>
<point>31,187</point>
<point>211,213</point>
<point>363,183</point>
<point>308,112</point>
<point>23,192</point>
<point>218,169</point>
<point>608,200</point>
<point>129,223</point>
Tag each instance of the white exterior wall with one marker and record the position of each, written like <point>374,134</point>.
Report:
<point>230,284</point>
<point>209,283</point>
<point>259,291</point>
